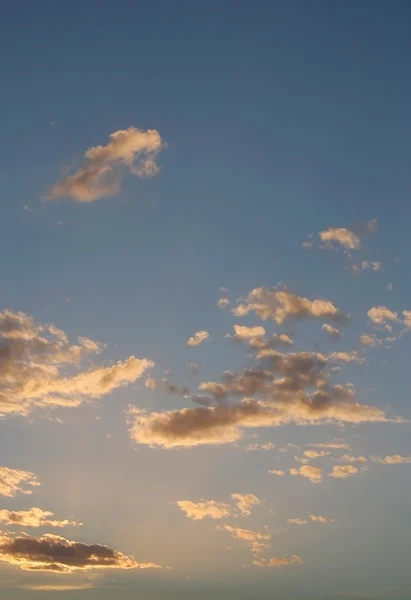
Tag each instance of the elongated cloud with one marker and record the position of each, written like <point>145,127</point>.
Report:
<point>37,364</point>
<point>198,338</point>
<point>370,339</point>
<point>395,459</point>
<point>321,519</point>
<point>314,474</point>
<point>282,305</point>
<point>353,459</point>
<point>103,168</point>
<point>344,471</point>
<point>315,453</point>
<point>224,424</point>
<point>341,236</point>
<point>34,517</point>
<point>59,555</point>
<point>13,481</point>
<point>337,445</point>
<point>297,521</point>
<point>278,561</point>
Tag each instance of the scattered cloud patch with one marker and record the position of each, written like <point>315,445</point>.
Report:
<point>314,474</point>
<point>34,517</point>
<point>13,481</point>
<point>198,338</point>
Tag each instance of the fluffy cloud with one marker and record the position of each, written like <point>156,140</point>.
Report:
<point>37,362</point>
<point>321,519</point>
<point>277,472</point>
<point>332,332</point>
<point>59,555</point>
<point>314,474</point>
<point>243,333</point>
<point>381,316</point>
<point>347,357</point>
<point>281,305</point>
<point>16,480</point>
<point>197,511</point>
<point>395,459</point>
<point>278,561</point>
<point>198,338</point>
<point>342,236</point>
<point>344,471</point>
<point>297,521</point>
<point>34,517</point>
<point>103,168</point>
<point>223,302</point>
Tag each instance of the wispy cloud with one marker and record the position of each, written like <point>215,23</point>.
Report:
<point>13,481</point>
<point>197,511</point>
<point>34,517</point>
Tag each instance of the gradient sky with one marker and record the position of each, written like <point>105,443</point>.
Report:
<point>263,159</point>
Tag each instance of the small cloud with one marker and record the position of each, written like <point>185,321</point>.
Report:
<point>223,302</point>
<point>337,445</point>
<point>34,517</point>
<point>27,208</point>
<point>277,472</point>
<point>388,287</point>
<point>353,459</point>
<point>297,521</point>
<point>367,265</point>
<point>342,236</point>
<point>381,315</point>
<point>370,339</point>
<point>257,447</point>
<point>278,561</point>
<point>245,502</point>
<point>13,481</point>
<point>198,338</point>
<point>343,472</point>
<point>321,519</point>
<point>315,454</point>
<point>103,168</point>
<point>57,223</point>
<point>314,474</point>
<point>197,511</point>
<point>332,332</point>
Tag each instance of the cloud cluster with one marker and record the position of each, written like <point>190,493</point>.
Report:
<point>197,511</point>
<point>59,555</point>
<point>16,480</point>
<point>394,459</point>
<point>103,168</point>
<point>37,363</point>
<point>34,517</point>
<point>281,305</point>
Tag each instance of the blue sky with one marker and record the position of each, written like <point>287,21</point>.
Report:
<point>273,121</point>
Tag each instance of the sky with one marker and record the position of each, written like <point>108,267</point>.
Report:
<point>205,309</point>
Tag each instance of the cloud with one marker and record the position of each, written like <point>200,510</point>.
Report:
<point>16,480</point>
<point>388,287</point>
<point>55,587</point>
<point>315,454</point>
<point>353,459</point>
<point>224,424</point>
<point>197,511</point>
<point>103,168</point>
<point>37,364</point>
<point>198,338</point>
<point>314,474</point>
<point>342,236</point>
<point>297,521</point>
<point>277,472</point>
<point>367,265</point>
<point>59,555</point>
<point>167,386</point>
<point>282,305</point>
<point>337,445</point>
<point>407,318</point>
<point>347,357</point>
<point>344,471</point>
<point>321,519</point>
<point>249,334</point>
<point>395,459</point>
<point>332,332</point>
<point>223,302</point>
<point>34,517</point>
<point>245,502</point>
<point>381,315</point>
<point>279,561</point>
<point>257,447</point>
<point>371,340</point>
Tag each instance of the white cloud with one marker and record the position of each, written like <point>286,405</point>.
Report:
<point>388,287</point>
<point>314,474</point>
<point>344,471</point>
<point>332,332</point>
<point>198,338</point>
<point>370,339</point>
<point>103,168</point>
<point>197,511</point>
<point>315,454</point>
<point>381,315</point>
<point>277,472</point>
<point>353,459</point>
<point>245,502</point>
<point>321,519</point>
